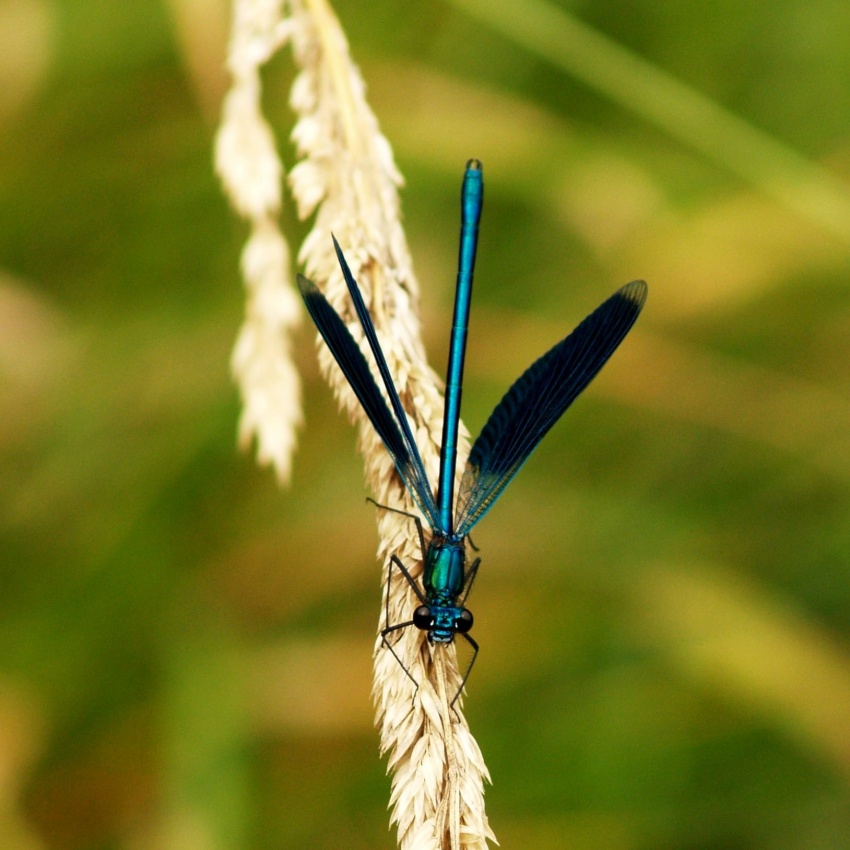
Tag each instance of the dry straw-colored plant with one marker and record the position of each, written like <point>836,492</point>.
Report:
<point>347,177</point>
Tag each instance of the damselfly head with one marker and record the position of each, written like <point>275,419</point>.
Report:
<point>442,623</point>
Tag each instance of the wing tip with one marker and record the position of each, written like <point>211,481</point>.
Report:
<point>305,285</point>
<point>636,291</point>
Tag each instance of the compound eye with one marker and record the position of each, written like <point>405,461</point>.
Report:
<point>464,622</point>
<point>422,618</point>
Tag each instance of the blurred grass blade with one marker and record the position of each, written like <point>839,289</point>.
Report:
<point>662,100</point>
<point>208,798</point>
<point>750,646</point>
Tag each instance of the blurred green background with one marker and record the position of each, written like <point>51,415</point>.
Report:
<point>664,605</point>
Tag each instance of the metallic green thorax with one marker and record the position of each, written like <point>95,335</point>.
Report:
<point>444,571</point>
<point>445,580</point>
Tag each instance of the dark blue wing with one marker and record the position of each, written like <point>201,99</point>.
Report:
<point>423,488</point>
<point>350,358</point>
<point>537,400</point>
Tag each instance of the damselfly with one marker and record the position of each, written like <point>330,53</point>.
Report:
<point>528,410</point>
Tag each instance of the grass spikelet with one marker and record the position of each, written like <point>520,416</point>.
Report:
<point>347,177</point>
<point>251,172</point>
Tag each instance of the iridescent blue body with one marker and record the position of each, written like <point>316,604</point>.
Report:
<point>444,576</point>
<point>471,202</point>
<point>531,406</point>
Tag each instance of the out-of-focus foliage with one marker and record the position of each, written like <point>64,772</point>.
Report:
<point>664,602</point>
